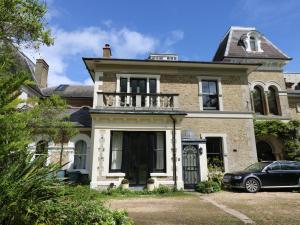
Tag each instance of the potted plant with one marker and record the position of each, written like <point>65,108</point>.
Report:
<point>125,184</point>
<point>150,184</point>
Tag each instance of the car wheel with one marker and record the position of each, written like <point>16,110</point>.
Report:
<point>252,185</point>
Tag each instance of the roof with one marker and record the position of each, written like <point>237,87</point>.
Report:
<point>231,47</point>
<point>80,116</point>
<point>90,64</point>
<point>70,91</point>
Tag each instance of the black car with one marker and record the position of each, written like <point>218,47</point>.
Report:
<point>274,174</point>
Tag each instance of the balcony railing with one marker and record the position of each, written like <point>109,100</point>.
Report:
<point>137,100</point>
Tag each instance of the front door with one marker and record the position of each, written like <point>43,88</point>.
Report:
<point>137,152</point>
<point>190,165</point>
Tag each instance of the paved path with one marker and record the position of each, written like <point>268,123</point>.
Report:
<point>245,219</point>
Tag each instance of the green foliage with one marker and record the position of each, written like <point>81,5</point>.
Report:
<point>22,22</point>
<point>288,133</point>
<point>208,186</point>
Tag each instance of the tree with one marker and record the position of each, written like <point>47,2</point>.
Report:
<point>288,133</point>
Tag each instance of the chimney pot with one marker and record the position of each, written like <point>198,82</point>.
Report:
<point>106,51</point>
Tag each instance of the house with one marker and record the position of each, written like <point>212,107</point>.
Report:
<point>169,119</point>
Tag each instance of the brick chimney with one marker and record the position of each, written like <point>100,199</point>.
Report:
<point>106,51</point>
<point>41,73</point>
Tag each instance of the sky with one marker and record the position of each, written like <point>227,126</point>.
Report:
<point>192,29</point>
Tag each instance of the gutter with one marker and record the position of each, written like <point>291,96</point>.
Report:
<point>174,152</point>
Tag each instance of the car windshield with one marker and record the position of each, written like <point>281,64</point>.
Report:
<point>257,167</point>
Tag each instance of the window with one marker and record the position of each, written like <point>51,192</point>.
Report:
<point>159,153</point>
<point>275,166</point>
<point>290,166</point>
<point>214,151</point>
<point>258,100</point>
<point>80,155</point>
<point>41,149</point>
<point>253,44</point>
<point>272,101</point>
<point>210,96</point>
<point>116,151</point>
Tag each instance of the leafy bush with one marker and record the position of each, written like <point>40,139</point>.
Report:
<point>208,187</point>
<point>78,212</point>
<point>163,189</point>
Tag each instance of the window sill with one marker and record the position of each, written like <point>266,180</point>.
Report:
<point>160,174</point>
<point>82,171</point>
<point>117,174</point>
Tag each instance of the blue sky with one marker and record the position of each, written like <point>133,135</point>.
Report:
<point>134,28</point>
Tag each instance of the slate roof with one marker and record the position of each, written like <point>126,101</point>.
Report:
<point>70,91</point>
<point>231,47</point>
<point>80,116</point>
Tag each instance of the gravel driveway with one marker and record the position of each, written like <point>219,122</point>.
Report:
<point>263,208</point>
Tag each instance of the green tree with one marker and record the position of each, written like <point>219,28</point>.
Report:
<point>287,132</point>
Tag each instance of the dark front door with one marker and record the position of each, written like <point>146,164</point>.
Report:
<point>138,86</point>
<point>190,165</point>
<point>137,151</point>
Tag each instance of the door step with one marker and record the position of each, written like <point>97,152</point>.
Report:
<point>137,188</point>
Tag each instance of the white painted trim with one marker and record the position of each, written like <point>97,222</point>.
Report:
<point>220,94</point>
<point>115,175</point>
<point>224,143</point>
<point>273,83</point>
<point>97,83</point>
<point>71,144</point>
<point>220,115</point>
<point>260,83</point>
<point>159,174</point>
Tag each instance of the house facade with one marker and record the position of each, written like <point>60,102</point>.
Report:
<point>170,120</point>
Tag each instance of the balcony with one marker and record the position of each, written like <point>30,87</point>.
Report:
<point>137,101</point>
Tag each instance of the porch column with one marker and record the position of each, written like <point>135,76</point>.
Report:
<point>179,160</point>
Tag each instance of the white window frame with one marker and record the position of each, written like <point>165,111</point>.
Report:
<point>224,145</point>
<point>147,76</point>
<point>72,143</point>
<point>220,95</point>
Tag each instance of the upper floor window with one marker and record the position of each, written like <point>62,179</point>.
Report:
<point>80,155</point>
<point>272,101</point>
<point>258,100</point>
<point>210,96</point>
<point>253,44</point>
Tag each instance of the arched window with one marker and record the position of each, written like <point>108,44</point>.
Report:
<point>258,100</point>
<point>80,155</point>
<point>272,101</point>
<point>264,151</point>
<point>41,148</point>
<point>253,44</point>
<point>297,87</point>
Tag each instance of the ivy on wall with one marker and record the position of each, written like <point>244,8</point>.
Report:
<point>287,132</point>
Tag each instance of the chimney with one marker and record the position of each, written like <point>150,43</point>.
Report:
<point>106,51</point>
<point>41,73</point>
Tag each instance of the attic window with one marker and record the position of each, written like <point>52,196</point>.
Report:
<point>61,87</point>
<point>252,42</point>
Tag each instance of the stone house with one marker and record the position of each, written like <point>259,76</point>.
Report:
<point>169,119</point>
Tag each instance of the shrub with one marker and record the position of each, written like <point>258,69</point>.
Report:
<point>150,181</point>
<point>163,189</point>
<point>125,181</point>
<point>208,186</point>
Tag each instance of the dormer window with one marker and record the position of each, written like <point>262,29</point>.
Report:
<point>252,42</point>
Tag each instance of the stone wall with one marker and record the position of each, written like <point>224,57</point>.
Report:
<point>239,136</point>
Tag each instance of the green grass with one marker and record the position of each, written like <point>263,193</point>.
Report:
<point>83,192</point>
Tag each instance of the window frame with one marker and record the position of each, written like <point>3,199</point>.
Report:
<point>219,89</point>
<point>262,100</point>
<point>86,155</point>
<point>110,153</point>
<point>153,169</point>
<point>275,100</point>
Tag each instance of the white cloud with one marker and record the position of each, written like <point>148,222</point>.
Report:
<point>174,37</point>
<point>125,43</point>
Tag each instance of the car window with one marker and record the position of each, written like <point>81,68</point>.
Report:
<point>275,166</point>
<point>290,166</point>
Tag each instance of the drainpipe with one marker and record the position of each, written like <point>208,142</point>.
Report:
<point>174,151</point>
